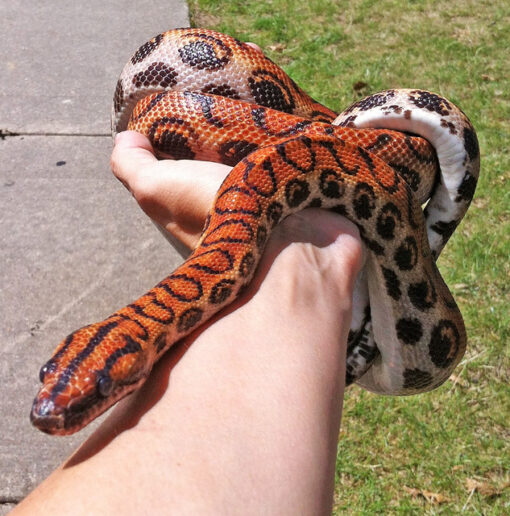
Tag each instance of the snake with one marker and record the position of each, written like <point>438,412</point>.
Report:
<point>401,164</point>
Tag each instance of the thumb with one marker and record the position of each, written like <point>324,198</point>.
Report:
<point>177,195</point>
<point>132,152</point>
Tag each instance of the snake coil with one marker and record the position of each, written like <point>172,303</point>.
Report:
<point>198,94</point>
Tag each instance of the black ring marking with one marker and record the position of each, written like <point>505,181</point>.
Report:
<point>244,211</point>
<point>228,239</point>
<point>281,148</point>
<point>364,200</point>
<point>268,167</point>
<point>140,310</point>
<point>165,286</point>
<point>210,270</point>
<point>392,188</point>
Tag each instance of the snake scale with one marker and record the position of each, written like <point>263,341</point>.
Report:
<point>198,94</point>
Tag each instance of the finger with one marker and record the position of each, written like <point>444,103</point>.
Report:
<point>132,152</point>
<point>179,194</point>
<point>254,46</point>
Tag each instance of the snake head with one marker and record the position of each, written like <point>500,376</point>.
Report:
<point>89,371</point>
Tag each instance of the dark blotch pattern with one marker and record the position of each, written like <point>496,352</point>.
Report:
<point>340,209</point>
<point>349,121</point>
<point>206,55</point>
<point>268,90</point>
<point>160,342</point>
<point>274,213</point>
<point>146,49</point>
<point>445,229</point>
<point>261,237</point>
<point>444,343</point>
<point>247,264</point>
<point>467,188</point>
<point>430,102</point>
<point>422,295</point>
<point>387,221</point>
<point>471,143</point>
<point>410,176</point>
<point>118,96</point>
<point>331,185</point>
<point>372,244</point>
<point>315,203</point>
<point>221,291</point>
<point>349,378</point>
<point>223,90</point>
<point>156,74</point>
<point>392,283</point>
<point>207,105</point>
<point>406,254</point>
<point>364,200</point>
<point>173,143</point>
<point>416,378</point>
<point>409,331</point>
<point>233,151</point>
<point>188,319</point>
<point>381,142</point>
<point>373,101</point>
<point>296,192</point>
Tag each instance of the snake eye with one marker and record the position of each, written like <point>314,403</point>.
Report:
<point>104,386</point>
<point>42,372</point>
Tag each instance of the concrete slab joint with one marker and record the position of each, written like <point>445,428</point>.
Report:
<point>67,257</point>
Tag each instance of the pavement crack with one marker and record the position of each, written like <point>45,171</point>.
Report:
<point>6,133</point>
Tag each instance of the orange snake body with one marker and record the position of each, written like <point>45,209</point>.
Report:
<point>198,94</point>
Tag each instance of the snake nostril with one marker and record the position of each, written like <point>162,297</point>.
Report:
<point>104,386</point>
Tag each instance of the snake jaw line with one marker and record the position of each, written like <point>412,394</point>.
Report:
<point>55,419</point>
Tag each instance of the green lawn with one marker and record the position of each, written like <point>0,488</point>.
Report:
<point>447,451</point>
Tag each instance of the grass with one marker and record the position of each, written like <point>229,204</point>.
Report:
<point>444,452</point>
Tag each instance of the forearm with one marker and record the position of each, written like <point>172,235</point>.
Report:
<point>248,420</point>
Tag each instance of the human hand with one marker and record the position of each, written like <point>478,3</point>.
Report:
<point>177,195</point>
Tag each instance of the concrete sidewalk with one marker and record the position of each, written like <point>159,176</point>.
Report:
<point>74,245</point>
